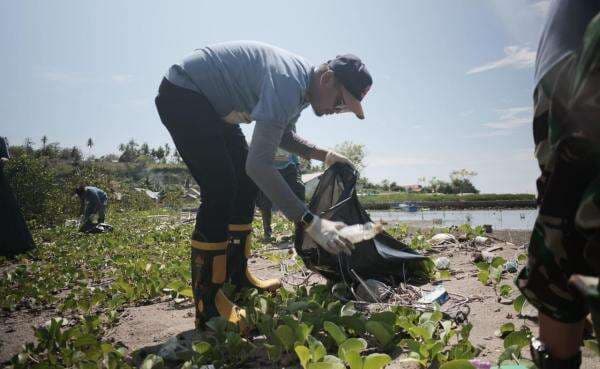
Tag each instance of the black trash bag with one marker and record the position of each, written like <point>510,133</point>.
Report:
<point>96,228</point>
<point>382,258</point>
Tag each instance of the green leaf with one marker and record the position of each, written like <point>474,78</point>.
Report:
<point>509,352</point>
<point>432,317</point>
<point>592,345</point>
<point>273,351</point>
<point>354,323</point>
<point>443,275</point>
<point>332,359</point>
<point>424,331</point>
<point>303,354</point>
<point>507,328</point>
<point>348,309</point>
<point>496,273</point>
<point>497,262</point>
<point>326,365</point>
<point>335,331</point>
<point>483,276</point>
<point>187,292</point>
<point>317,350</point>
<point>458,364</point>
<point>354,360</point>
<point>517,338</point>
<point>411,362</point>
<point>482,265</point>
<point>518,303</point>
<point>85,340</point>
<point>153,362</point>
<point>505,290</point>
<point>387,317</point>
<point>351,344</point>
<point>202,347</point>
<point>413,345</point>
<point>286,336</point>
<point>376,361</point>
<point>377,329</point>
<point>302,331</point>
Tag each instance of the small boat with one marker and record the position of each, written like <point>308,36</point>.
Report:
<point>405,206</point>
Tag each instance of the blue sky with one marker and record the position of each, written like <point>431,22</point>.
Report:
<point>452,79</point>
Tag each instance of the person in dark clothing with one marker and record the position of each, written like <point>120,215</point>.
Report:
<point>289,168</point>
<point>15,237</point>
<point>93,203</point>
<point>566,128</point>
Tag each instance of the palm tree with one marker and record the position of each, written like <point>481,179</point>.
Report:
<point>90,144</point>
<point>44,141</point>
<point>28,145</point>
<point>167,151</point>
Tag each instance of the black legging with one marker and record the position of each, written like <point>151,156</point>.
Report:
<point>215,153</point>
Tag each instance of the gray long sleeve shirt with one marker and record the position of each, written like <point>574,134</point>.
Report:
<point>248,81</point>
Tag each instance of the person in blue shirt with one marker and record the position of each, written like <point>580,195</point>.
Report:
<point>93,202</point>
<point>202,100</point>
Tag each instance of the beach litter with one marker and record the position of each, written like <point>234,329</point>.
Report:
<point>442,263</point>
<point>442,239</point>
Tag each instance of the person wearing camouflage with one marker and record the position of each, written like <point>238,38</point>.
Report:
<point>566,128</point>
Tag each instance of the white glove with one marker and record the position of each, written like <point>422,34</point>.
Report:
<point>333,157</point>
<point>326,233</point>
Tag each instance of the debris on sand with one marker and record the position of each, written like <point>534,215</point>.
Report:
<point>442,263</point>
<point>442,239</point>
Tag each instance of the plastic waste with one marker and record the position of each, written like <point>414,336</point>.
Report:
<point>442,263</point>
<point>480,364</point>
<point>373,291</point>
<point>172,349</point>
<point>487,256</point>
<point>511,266</point>
<point>361,232</point>
<point>480,240</point>
<point>442,238</point>
<point>437,295</point>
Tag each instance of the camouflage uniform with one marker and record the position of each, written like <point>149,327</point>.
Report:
<point>566,236</point>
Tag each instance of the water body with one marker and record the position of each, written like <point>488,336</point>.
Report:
<point>520,219</point>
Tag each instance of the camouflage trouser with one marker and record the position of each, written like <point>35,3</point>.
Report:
<point>566,236</point>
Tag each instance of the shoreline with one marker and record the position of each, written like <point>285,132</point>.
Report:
<point>456,205</point>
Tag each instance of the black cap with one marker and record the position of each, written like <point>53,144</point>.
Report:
<point>352,74</point>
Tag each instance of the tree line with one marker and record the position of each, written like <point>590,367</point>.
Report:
<point>134,152</point>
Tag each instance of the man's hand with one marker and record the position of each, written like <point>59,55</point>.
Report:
<point>333,157</point>
<point>326,233</point>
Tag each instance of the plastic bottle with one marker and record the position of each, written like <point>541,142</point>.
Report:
<point>361,232</point>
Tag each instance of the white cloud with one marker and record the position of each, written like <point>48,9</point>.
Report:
<point>511,118</point>
<point>542,7</point>
<point>121,78</point>
<point>516,57</point>
<point>393,160</point>
<point>497,133</point>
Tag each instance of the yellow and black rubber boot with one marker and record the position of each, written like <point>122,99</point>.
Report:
<point>209,272</point>
<point>238,252</point>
